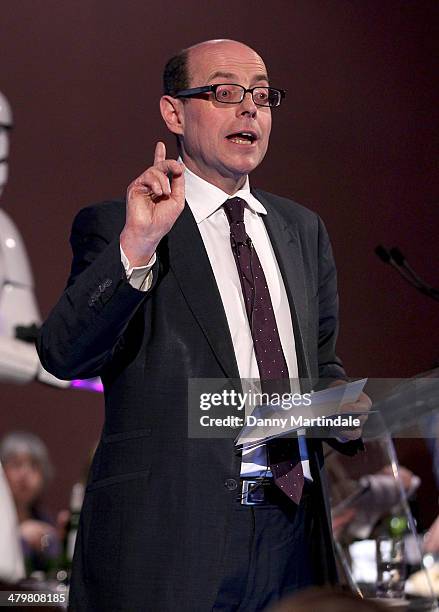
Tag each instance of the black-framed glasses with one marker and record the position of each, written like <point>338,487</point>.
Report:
<point>231,93</point>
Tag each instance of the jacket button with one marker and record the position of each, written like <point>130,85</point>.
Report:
<point>231,484</point>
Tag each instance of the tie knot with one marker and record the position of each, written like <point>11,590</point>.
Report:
<point>234,209</point>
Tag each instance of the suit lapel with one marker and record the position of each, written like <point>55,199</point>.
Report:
<point>190,263</point>
<point>286,242</point>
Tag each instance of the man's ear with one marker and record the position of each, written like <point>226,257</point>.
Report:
<point>173,114</point>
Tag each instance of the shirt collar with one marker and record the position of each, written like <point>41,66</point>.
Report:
<point>204,198</point>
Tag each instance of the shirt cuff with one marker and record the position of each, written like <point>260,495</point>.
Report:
<point>139,277</point>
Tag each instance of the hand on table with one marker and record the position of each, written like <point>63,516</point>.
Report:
<point>405,475</point>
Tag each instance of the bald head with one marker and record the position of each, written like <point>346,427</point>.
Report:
<point>213,58</point>
<point>181,70</point>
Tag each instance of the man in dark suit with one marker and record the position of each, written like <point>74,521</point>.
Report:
<point>159,294</point>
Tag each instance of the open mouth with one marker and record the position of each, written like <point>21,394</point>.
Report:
<point>242,138</point>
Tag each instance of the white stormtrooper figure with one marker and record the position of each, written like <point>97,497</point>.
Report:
<point>19,315</point>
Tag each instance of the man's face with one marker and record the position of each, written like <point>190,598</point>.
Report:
<point>209,146</point>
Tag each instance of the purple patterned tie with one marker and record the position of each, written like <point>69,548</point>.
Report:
<point>284,456</point>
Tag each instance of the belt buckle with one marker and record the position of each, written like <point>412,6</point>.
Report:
<point>253,493</point>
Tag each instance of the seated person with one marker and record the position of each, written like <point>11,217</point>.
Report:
<point>28,470</point>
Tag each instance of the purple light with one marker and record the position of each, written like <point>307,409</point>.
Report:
<point>89,384</point>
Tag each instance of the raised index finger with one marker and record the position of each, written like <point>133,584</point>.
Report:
<point>160,152</point>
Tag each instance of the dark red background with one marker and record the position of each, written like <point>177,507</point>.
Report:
<point>356,140</point>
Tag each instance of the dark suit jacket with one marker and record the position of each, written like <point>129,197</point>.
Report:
<point>158,504</point>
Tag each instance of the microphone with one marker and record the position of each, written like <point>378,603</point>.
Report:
<point>383,253</point>
<point>395,258</point>
<point>402,262</point>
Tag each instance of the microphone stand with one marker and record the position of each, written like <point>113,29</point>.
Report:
<point>395,258</point>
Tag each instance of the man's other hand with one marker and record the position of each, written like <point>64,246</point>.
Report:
<point>363,404</point>
<point>153,205</point>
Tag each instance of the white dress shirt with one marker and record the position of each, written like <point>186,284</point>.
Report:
<point>205,201</point>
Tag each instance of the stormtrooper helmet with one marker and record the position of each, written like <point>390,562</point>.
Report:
<point>5,126</point>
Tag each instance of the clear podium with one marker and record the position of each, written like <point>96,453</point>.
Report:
<point>378,548</point>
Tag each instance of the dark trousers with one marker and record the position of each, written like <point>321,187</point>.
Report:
<point>268,556</point>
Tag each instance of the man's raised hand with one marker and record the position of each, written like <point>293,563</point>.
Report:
<point>153,206</point>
